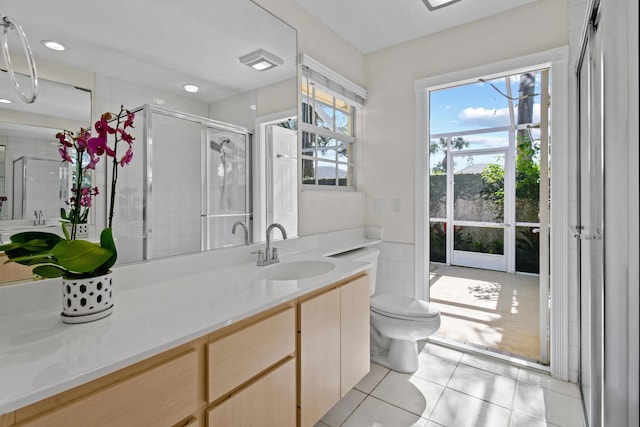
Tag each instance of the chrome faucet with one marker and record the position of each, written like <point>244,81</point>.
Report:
<point>270,255</point>
<point>244,227</point>
<point>38,218</point>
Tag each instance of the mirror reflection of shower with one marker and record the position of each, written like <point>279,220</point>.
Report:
<point>228,195</point>
<point>222,167</point>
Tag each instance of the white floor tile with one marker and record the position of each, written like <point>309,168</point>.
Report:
<point>457,409</point>
<point>410,393</point>
<point>372,379</point>
<point>490,365</point>
<point>548,382</point>
<point>548,405</point>
<point>374,412</point>
<point>443,352</point>
<point>483,385</point>
<point>345,406</point>
<point>435,369</point>
<point>521,420</point>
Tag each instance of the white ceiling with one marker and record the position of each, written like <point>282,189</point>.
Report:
<point>371,25</point>
<point>159,43</point>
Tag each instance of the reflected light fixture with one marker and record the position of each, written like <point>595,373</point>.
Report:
<point>438,4</point>
<point>261,60</point>
<point>53,45</point>
<point>188,87</point>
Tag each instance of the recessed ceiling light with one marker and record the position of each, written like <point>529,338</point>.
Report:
<point>53,45</point>
<point>5,101</point>
<point>190,87</point>
<point>437,4</point>
<point>261,60</point>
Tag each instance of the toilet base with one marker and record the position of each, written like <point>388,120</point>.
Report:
<point>402,356</point>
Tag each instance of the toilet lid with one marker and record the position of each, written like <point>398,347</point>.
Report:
<point>403,307</point>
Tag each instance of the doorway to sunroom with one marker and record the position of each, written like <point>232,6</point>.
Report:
<point>489,213</point>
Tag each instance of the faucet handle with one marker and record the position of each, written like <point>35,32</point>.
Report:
<point>262,258</point>
<point>274,255</point>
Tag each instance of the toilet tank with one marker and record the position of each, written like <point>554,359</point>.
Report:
<point>367,254</point>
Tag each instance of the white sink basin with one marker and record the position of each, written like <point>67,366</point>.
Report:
<point>296,270</point>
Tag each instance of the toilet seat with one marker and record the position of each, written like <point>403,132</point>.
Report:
<point>402,307</point>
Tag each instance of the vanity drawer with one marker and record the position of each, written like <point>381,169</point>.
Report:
<point>236,358</point>
<point>268,402</point>
<point>160,396</point>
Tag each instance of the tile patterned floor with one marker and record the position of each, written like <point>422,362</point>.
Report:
<point>457,389</point>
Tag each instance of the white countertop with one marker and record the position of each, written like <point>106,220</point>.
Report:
<point>158,305</point>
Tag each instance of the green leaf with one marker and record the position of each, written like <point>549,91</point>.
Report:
<point>80,256</point>
<point>106,241</point>
<point>49,271</point>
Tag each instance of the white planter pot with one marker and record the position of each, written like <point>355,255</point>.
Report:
<point>86,300</point>
<point>82,231</point>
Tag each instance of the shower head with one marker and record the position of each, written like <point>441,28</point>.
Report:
<point>217,146</point>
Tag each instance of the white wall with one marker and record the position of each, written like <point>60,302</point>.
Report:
<point>390,113</point>
<point>323,211</point>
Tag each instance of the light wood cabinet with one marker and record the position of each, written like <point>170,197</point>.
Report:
<point>333,347</point>
<point>319,328</point>
<point>160,396</point>
<point>270,401</point>
<point>237,358</point>
<point>354,333</point>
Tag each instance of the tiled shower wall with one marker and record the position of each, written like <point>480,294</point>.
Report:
<point>110,94</point>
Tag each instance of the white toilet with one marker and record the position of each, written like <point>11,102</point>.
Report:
<point>397,322</point>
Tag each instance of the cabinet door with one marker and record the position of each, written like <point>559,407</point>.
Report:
<point>354,333</point>
<point>268,402</point>
<point>319,356</point>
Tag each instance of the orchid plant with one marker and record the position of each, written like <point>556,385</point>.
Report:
<point>53,256</point>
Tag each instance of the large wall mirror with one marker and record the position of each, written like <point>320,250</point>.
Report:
<point>203,161</point>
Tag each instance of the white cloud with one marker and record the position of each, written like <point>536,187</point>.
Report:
<point>484,117</point>
<point>481,117</point>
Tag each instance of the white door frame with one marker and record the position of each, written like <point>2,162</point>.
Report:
<point>557,61</point>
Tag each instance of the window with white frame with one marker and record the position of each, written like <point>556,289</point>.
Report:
<point>327,125</point>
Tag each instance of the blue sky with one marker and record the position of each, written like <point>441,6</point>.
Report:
<point>474,106</point>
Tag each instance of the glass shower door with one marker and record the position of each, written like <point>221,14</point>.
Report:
<point>226,195</point>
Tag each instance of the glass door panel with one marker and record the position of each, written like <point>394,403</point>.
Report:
<point>478,210</point>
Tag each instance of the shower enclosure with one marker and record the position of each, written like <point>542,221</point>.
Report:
<point>38,187</point>
<point>187,185</point>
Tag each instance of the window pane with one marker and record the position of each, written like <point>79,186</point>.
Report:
<point>478,192</point>
<point>326,173</point>
<point>479,239</point>
<point>308,172</point>
<point>528,249</point>
<point>308,144</point>
<point>527,179</point>
<point>343,117</point>
<point>327,148</point>
<point>344,151</point>
<point>480,140</point>
<point>344,175</point>
<point>438,242</point>
<point>438,196</point>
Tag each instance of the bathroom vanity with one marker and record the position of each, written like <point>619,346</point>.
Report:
<point>217,346</point>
